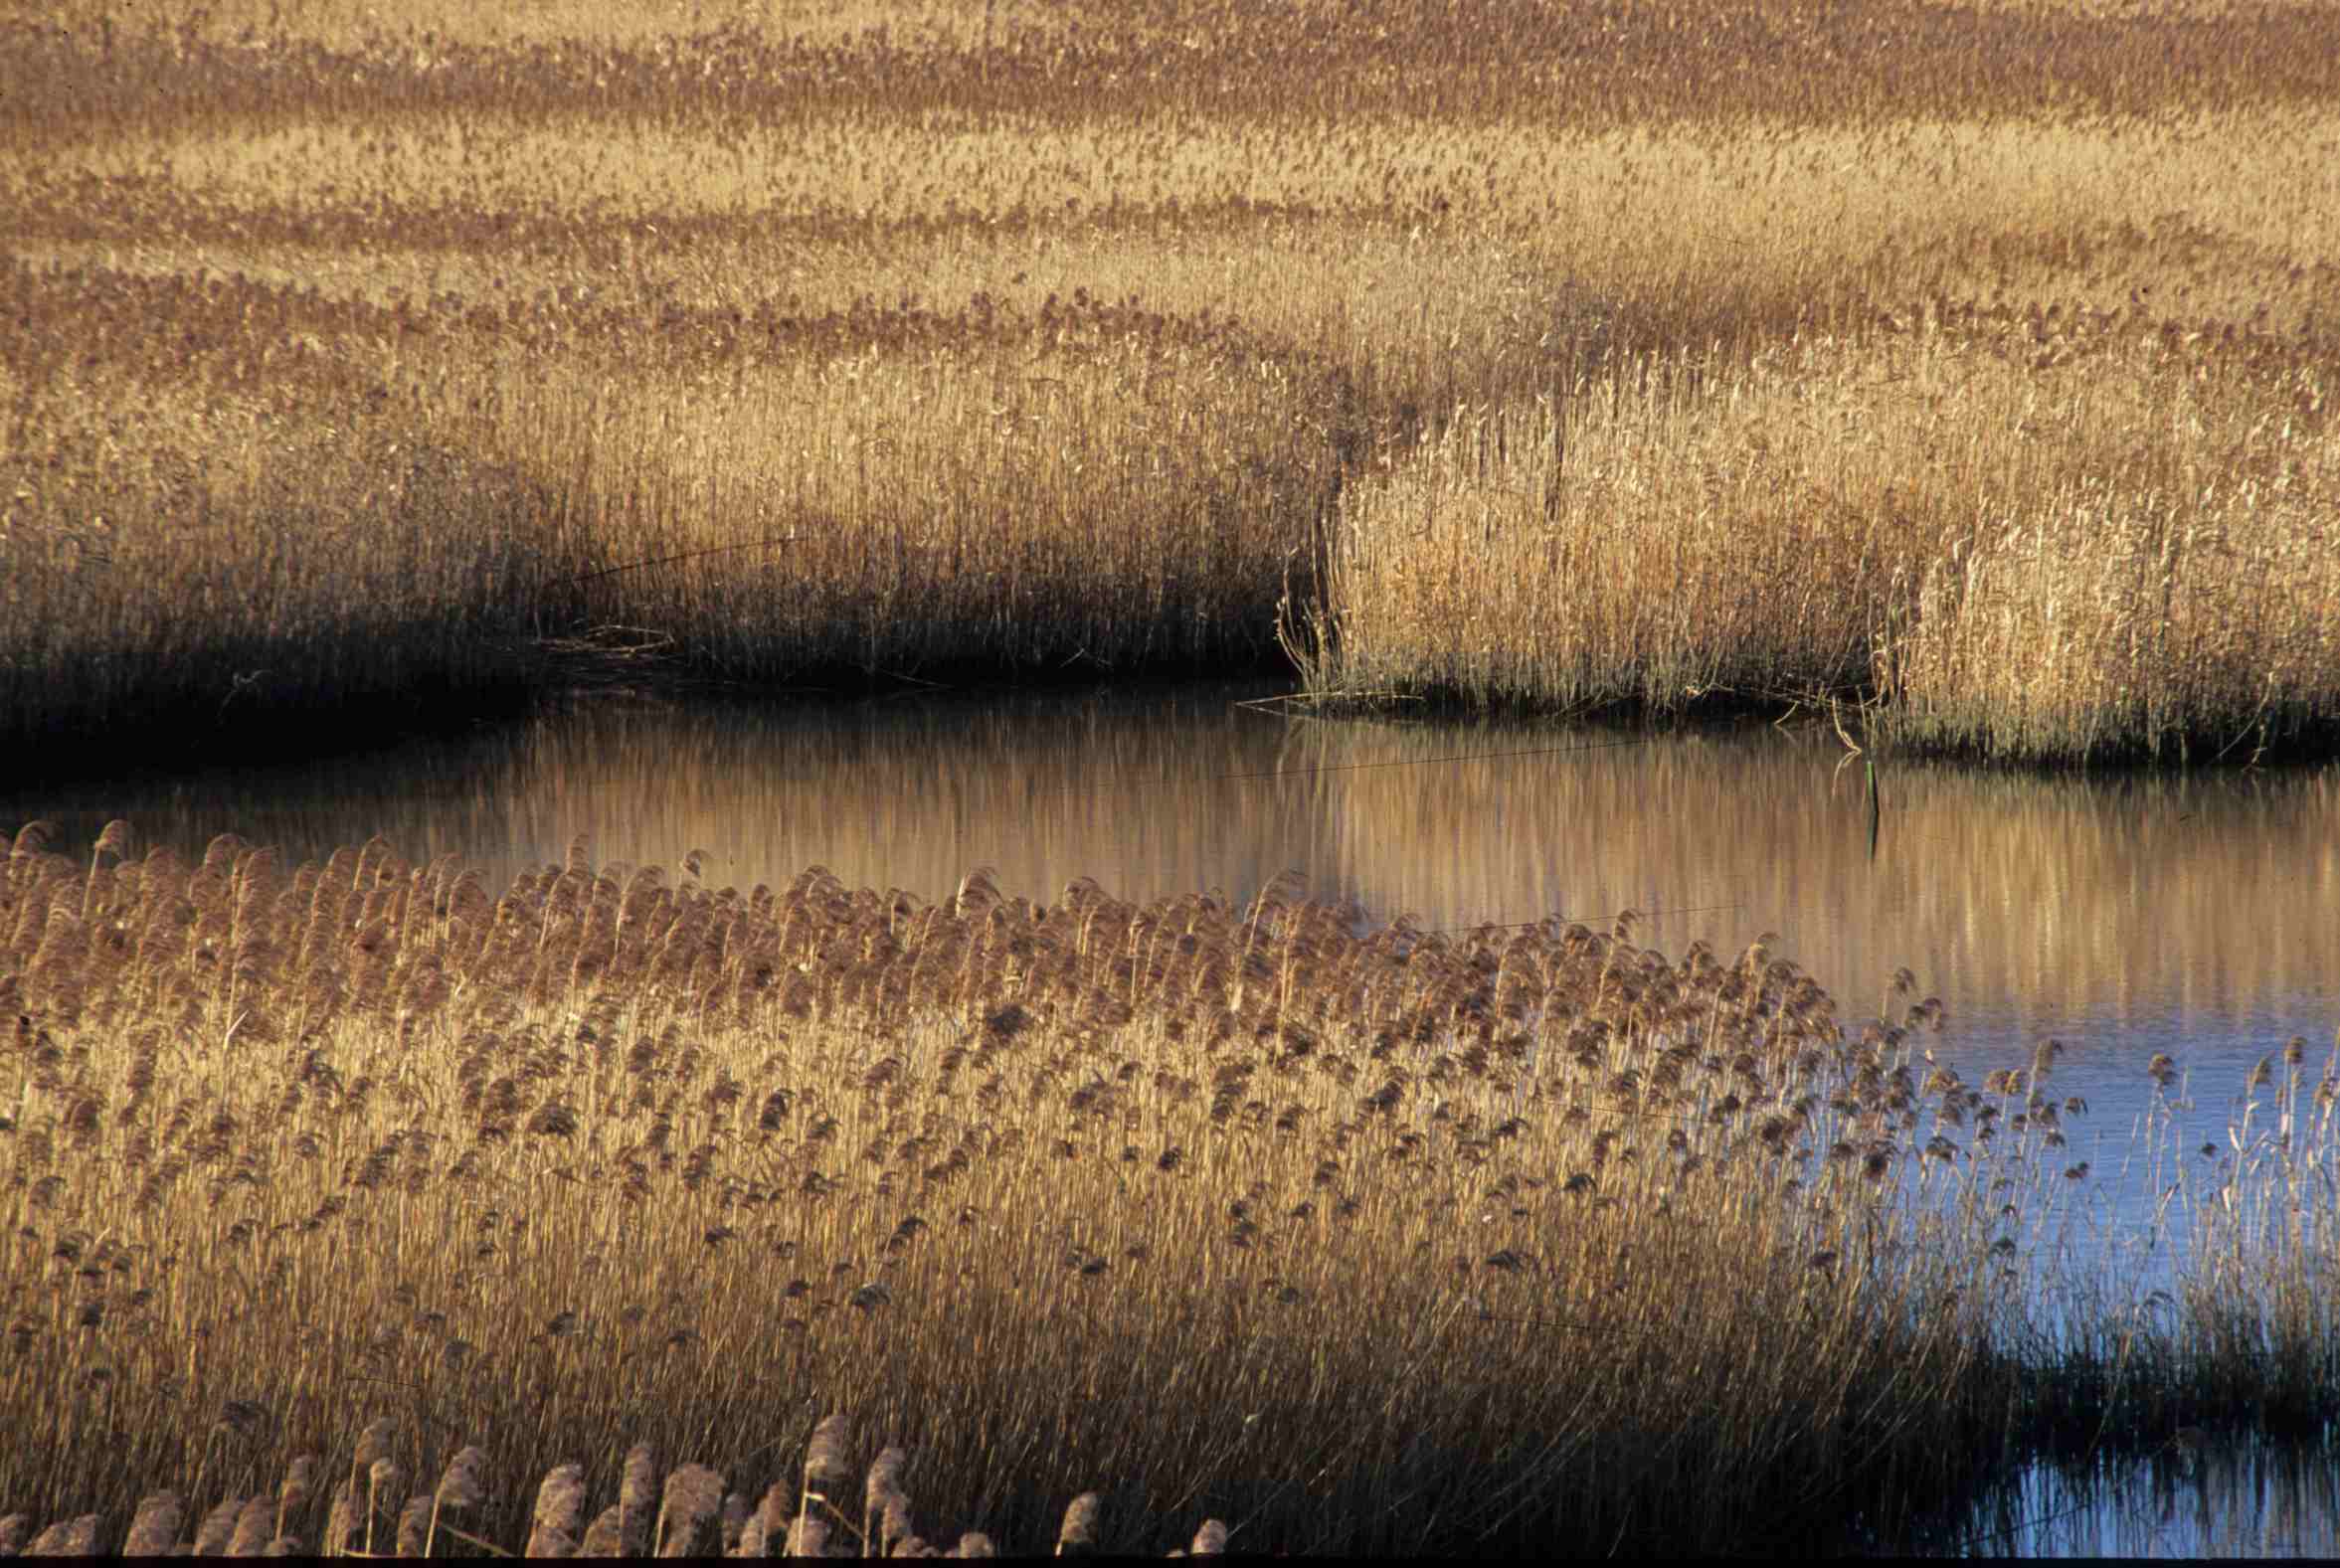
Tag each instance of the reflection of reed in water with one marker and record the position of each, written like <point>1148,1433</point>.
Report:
<point>2045,899</point>
<point>2207,896</point>
<point>2201,1495</point>
<point>1132,791</point>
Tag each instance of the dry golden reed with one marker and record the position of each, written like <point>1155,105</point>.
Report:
<point>1251,1212</point>
<point>2123,554</point>
<point>396,358</point>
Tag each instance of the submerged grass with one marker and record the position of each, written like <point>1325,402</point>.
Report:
<point>1341,1238</point>
<point>1969,362</point>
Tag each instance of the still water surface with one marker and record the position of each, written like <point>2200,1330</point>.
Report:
<point>2195,915</point>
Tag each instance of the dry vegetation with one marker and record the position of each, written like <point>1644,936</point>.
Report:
<point>1338,1238</point>
<point>2138,555</point>
<point>1971,363</point>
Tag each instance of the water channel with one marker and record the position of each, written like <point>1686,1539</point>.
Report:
<point>2193,914</point>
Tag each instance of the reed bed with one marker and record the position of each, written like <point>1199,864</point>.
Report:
<point>400,358</point>
<point>1994,531</point>
<point>1344,1238</point>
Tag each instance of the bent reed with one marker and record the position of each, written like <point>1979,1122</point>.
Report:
<point>1337,1238</point>
<point>1969,364</point>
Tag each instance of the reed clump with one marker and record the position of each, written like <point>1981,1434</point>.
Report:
<point>1350,1238</point>
<point>2010,535</point>
<point>692,1516</point>
<point>396,357</point>
<point>475,522</point>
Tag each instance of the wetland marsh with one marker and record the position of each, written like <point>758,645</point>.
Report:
<point>455,1096</point>
<point>2154,1256</point>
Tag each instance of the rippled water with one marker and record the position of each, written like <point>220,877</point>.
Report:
<point>2194,915</point>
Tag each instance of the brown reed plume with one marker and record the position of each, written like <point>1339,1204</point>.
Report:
<point>1048,1193</point>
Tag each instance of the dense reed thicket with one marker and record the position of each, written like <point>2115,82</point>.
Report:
<point>1344,1238</point>
<point>1967,362</point>
<point>2134,557</point>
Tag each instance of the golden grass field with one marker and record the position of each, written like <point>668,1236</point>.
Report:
<point>1967,366</point>
<point>324,1181</point>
